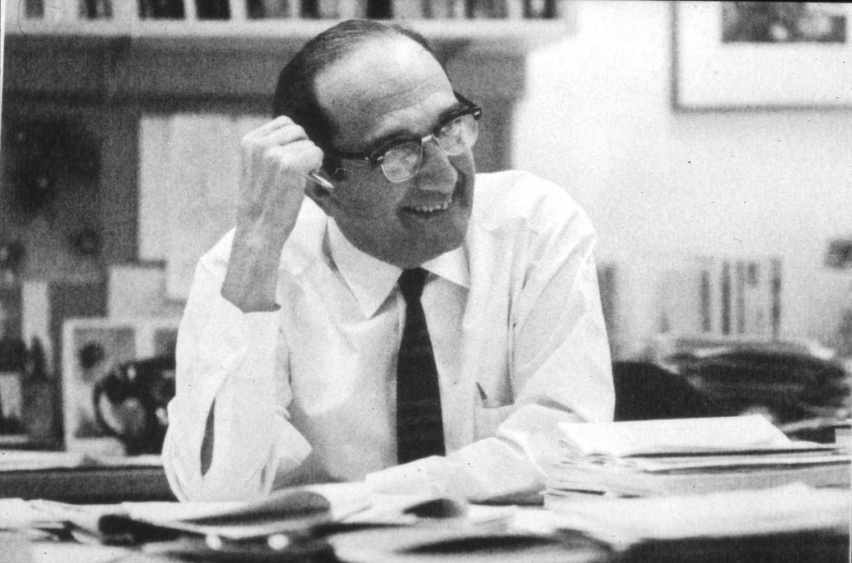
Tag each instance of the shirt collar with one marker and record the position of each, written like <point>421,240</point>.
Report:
<point>372,280</point>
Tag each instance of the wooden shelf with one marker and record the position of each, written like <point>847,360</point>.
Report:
<point>506,35</point>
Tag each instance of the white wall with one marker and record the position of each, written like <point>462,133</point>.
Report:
<point>598,119</point>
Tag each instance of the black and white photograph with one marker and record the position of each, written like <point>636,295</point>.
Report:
<point>416,281</point>
<point>774,55</point>
<point>783,22</point>
<point>93,350</point>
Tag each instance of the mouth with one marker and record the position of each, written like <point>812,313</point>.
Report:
<point>429,209</point>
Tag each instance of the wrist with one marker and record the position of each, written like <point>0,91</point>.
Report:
<point>251,279</point>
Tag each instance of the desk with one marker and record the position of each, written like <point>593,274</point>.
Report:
<point>806,547</point>
<point>93,485</point>
<point>510,544</point>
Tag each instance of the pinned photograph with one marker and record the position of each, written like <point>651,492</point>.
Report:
<point>93,348</point>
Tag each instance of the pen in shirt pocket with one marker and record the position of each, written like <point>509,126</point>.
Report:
<point>482,396</point>
<point>490,400</point>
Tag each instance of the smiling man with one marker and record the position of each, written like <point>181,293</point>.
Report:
<point>410,322</point>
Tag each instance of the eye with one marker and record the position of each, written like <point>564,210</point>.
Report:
<point>452,128</point>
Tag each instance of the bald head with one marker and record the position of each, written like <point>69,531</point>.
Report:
<point>380,78</point>
<point>295,94</point>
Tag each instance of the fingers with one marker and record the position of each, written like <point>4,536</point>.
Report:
<point>301,156</point>
<point>279,131</point>
<point>270,126</point>
<point>281,144</point>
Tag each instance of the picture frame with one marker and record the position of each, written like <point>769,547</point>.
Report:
<point>92,348</point>
<point>741,55</point>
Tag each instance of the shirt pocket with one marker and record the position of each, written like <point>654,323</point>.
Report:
<point>490,412</point>
<point>489,419</point>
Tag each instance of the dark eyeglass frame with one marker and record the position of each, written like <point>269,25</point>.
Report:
<point>376,158</point>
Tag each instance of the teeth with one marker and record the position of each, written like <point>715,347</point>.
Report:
<point>430,208</point>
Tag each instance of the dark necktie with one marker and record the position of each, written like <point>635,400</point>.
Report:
<point>420,430</point>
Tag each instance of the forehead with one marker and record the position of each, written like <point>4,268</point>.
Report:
<point>385,85</point>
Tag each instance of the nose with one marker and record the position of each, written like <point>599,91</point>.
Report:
<point>436,171</point>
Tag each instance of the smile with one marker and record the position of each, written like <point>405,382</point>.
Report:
<point>431,208</point>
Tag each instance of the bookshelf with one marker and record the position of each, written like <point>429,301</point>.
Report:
<point>505,25</point>
<point>114,73</point>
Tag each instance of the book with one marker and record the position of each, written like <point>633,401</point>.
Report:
<point>681,456</point>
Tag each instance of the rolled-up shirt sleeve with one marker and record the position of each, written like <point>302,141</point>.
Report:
<point>236,364</point>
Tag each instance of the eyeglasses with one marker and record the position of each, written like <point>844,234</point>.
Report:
<point>402,160</point>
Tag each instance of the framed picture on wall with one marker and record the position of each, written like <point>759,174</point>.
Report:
<point>740,55</point>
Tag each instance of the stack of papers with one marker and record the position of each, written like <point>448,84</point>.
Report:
<point>688,456</point>
<point>296,524</point>
<point>792,508</point>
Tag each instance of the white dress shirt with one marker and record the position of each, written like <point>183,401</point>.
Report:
<point>307,393</point>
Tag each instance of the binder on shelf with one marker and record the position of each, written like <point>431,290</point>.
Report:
<point>408,9</point>
<point>165,9</point>
<point>272,9</point>
<point>351,9</point>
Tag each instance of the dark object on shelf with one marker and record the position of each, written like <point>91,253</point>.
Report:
<point>96,9</point>
<point>212,9</point>
<point>379,9</point>
<point>161,9</point>
<point>149,382</point>
<point>268,9</point>
<point>310,9</point>
<point>539,9</point>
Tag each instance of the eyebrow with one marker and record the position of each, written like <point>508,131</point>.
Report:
<point>395,135</point>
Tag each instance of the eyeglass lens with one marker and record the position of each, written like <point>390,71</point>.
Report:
<point>403,161</point>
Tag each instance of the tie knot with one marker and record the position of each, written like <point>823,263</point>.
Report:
<point>411,283</point>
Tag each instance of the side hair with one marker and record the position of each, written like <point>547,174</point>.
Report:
<point>295,95</point>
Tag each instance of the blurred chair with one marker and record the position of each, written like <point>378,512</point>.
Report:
<point>646,391</point>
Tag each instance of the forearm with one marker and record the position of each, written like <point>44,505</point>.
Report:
<point>252,275</point>
<point>229,358</point>
<point>510,465</point>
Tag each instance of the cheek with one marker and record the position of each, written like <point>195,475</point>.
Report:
<point>464,164</point>
<point>365,201</point>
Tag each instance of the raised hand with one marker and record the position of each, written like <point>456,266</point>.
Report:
<point>276,160</point>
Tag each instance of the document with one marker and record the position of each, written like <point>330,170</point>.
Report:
<point>791,508</point>
<point>291,511</point>
<point>674,457</point>
<point>619,439</point>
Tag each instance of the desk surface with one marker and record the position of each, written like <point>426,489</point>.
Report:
<point>109,485</point>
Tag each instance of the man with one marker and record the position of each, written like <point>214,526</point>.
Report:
<point>291,341</point>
